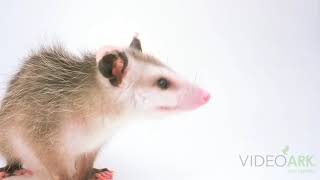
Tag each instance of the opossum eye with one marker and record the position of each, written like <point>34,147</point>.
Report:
<point>163,83</point>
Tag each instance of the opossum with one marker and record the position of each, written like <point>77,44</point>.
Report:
<point>60,108</point>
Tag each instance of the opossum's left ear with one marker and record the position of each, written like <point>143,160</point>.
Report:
<point>135,43</point>
<point>112,65</point>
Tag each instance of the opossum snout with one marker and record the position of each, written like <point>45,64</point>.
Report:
<point>205,97</point>
<point>193,98</point>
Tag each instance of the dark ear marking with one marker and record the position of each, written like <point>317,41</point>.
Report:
<point>112,66</point>
<point>136,44</point>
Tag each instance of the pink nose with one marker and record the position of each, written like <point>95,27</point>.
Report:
<point>205,97</point>
<point>196,98</point>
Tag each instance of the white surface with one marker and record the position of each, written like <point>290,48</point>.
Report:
<point>259,59</point>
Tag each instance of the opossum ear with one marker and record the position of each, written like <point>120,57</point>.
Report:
<point>135,43</point>
<point>113,66</point>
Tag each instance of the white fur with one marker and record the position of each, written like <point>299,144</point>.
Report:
<point>84,138</point>
<point>25,153</point>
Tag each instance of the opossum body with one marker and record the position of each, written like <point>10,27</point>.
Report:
<point>59,109</point>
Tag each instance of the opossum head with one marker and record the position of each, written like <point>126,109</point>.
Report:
<point>144,85</point>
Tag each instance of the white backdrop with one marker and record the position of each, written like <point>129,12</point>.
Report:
<point>259,59</point>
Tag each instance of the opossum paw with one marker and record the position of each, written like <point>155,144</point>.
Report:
<point>22,172</point>
<point>14,171</point>
<point>3,175</point>
<point>102,174</point>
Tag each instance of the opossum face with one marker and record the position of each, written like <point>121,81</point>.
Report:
<point>159,90</point>
<point>147,86</point>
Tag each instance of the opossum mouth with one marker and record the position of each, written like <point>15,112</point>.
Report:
<point>167,108</point>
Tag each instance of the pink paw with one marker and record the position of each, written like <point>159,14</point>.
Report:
<point>22,172</point>
<point>18,172</point>
<point>3,175</point>
<point>103,174</point>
